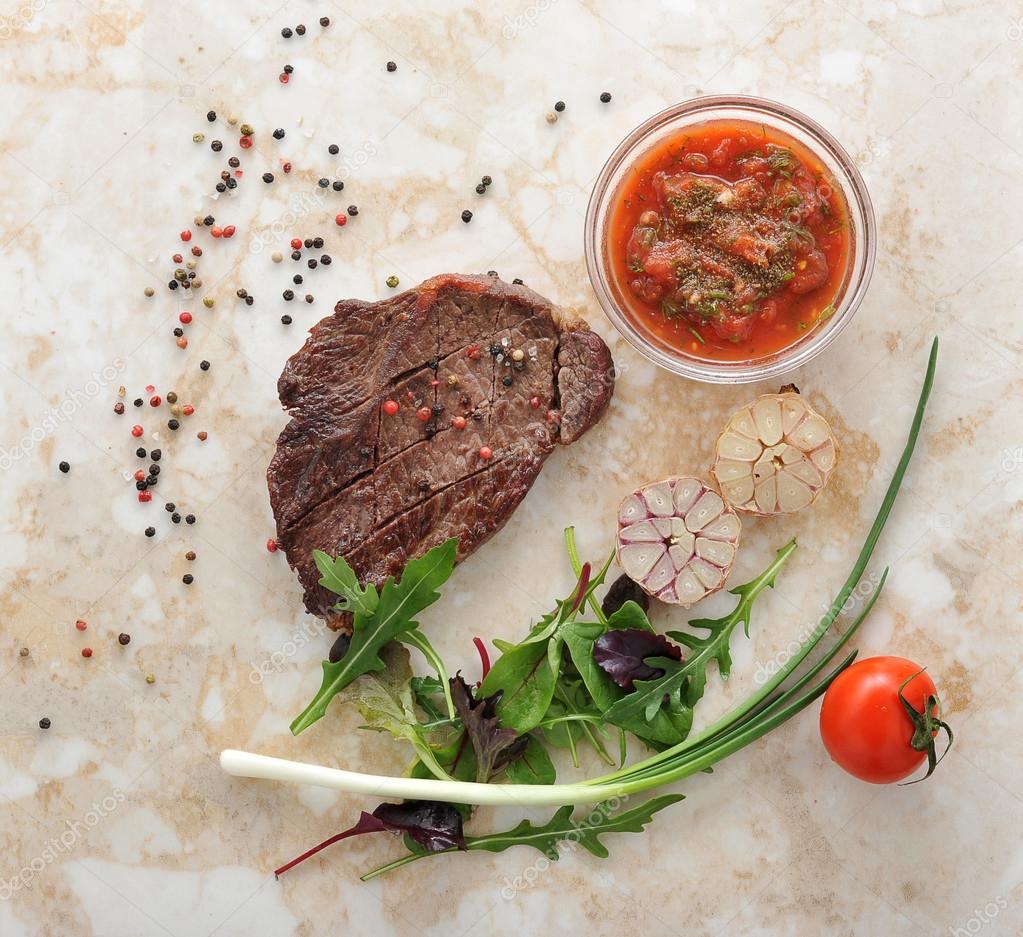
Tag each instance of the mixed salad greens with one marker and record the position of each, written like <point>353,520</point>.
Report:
<point>584,675</point>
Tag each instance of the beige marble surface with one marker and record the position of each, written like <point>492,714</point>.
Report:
<point>117,821</point>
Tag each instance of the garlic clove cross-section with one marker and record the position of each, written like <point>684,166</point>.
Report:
<point>677,539</point>
<point>775,455</point>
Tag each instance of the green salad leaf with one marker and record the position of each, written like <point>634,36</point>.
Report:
<point>378,619</point>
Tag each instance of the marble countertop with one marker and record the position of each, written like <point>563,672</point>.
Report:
<point>117,819</point>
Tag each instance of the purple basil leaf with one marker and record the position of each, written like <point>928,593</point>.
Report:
<point>621,654</point>
<point>494,746</point>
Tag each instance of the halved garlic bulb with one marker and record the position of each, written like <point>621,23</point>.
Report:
<point>775,455</point>
<point>677,539</point>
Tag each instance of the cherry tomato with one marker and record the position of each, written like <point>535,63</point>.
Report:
<point>866,727</point>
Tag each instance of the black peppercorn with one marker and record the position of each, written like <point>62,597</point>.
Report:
<point>178,332</point>
<point>289,295</point>
<point>65,467</point>
<point>492,273</point>
<point>176,518</point>
<point>487,181</point>
<point>151,481</point>
<point>333,149</point>
<point>559,106</point>
<point>324,21</point>
<point>45,723</point>
<point>517,281</point>
<point>140,452</point>
<point>286,319</point>
<point>124,638</point>
<point>326,260</point>
<point>467,216</point>
<point>232,183</point>
<point>506,380</point>
<point>169,507</point>
<point>323,183</point>
<point>220,187</point>
<point>392,66</point>
<point>234,163</point>
<point>172,285</point>
<point>300,29</point>
<point>154,469</point>
<point>208,220</point>
<point>308,242</point>
<point>141,485</point>
<point>309,297</point>
<point>137,402</point>
<point>188,579</point>
<point>216,146</point>
<point>211,116</point>
<point>241,293</point>
<point>296,255</point>
<point>605,96</point>
<point>204,365</point>
<point>279,133</point>
<point>311,263</point>
<point>288,69</point>
<point>172,424</point>
<point>337,185</point>
<point>297,279</point>
<point>481,189</point>
<point>150,531</point>
<point>268,177</point>
<point>156,455</point>
<point>189,518</point>
<point>353,210</point>
<point>286,32</point>
<point>317,242</point>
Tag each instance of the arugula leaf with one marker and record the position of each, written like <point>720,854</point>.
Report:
<point>337,576</point>
<point>664,706</point>
<point>389,618</point>
<point>534,766</point>
<point>385,702</point>
<point>560,828</point>
<point>494,746</point>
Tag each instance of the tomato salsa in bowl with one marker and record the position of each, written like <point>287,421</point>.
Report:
<point>730,239</point>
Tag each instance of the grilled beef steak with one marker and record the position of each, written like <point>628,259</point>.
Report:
<point>487,377</point>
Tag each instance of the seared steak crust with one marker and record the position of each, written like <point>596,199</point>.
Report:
<point>351,479</point>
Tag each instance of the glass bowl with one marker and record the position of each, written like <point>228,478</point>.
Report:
<point>789,121</point>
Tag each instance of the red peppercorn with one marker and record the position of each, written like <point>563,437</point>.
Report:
<point>390,407</point>
<point>271,545</point>
<point>458,422</point>
<point>216,232</point>
<point>86,652</point>
<point>150,388</point>
<point>188,409</point>
<point>182,342</point>
<point>341,219</point>
<point>473,351</point>
<point>155,400</point>
<point>296,244</point>
<point>238,173</point>
<point>118,408</point>
<point>185,317</point>
<point>186,235</point>
<point>81,625</point>
<point>535,402</point>
<point>245,143</point>
<point>177,258</point>
<point>229,231</point>
<point>286,167</point>
<point>197,251</point>
<point>139,475</point>
<point>423,414</point>
<point>283,78</point>
<point>137,431</point>
<point>486,453</point>
<point>145,496</point>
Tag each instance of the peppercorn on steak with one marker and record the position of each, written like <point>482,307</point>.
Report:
<point>425,416</point>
